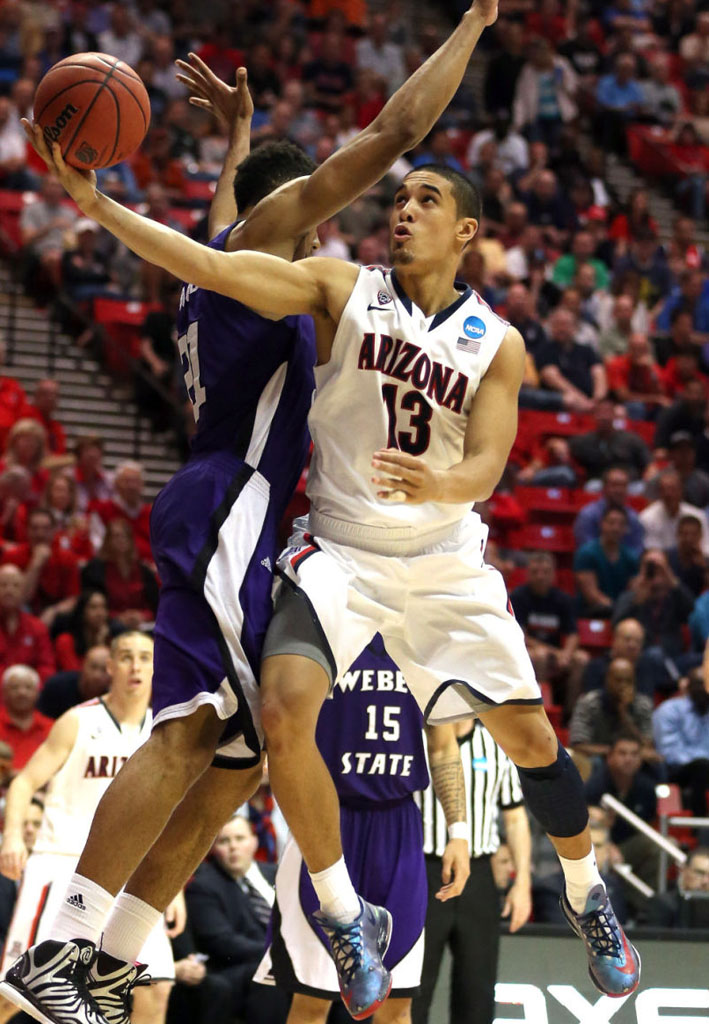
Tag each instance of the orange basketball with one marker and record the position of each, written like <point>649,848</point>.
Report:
<point>95,107</point>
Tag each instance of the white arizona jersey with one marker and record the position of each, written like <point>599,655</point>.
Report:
<point>101,749</point>
<point>395,379</point>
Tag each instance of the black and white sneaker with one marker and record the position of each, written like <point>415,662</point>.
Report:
<point>110,982</point>
<point>50,982</point>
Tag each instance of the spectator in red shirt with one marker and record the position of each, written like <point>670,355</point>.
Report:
<point>681,368</point>
<point>27,447</point>
<point>636,377</point>
<point>15,486</point>
<point>93,483</point>
<point>24,639</point>
<point>13,400</point>
<point>71,528</point>
<point>127,504</point>
<point>21,725</point>
<point>51,573</point>
<point>130,585</point>
<point>88,625</point>
<point>44,405</point>
<point>636,219</point>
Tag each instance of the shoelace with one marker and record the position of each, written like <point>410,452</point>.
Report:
<point>602,933</point>
<point>347,949</point>
<point>81,982</point>
<point>118,999</point>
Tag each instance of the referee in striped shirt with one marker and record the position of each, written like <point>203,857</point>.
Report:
<point>470,924</point>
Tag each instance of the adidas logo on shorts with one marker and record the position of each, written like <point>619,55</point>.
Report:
<point>76,901</point>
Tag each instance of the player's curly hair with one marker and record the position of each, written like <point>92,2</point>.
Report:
<point>270,165</point>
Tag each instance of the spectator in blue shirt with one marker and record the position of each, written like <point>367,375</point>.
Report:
<point>681,731</point>
<point>615,494</point>
<point>604,567</point>
<point>691,293</point>
<point>620,99</point>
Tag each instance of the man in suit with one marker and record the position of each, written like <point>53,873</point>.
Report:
<point>229,904</point>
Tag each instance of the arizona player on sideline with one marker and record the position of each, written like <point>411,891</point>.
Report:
<point>213,537</point>
<point>370,737</point>
<point>417,383</point>
<point>84,751</point>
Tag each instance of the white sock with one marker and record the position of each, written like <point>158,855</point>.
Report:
<point>338,900</point>
<point>83,912</point>
<point>129,926</point>
<point>580,876</point>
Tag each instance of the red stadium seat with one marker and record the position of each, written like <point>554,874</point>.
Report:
<point>595,633</point>
<point>566,580</point>
<point>543,537</point>
<point>556,500</point>
<point>516,578</point>
<point>121,320</point>
<point>548,424</point>
<point>637,502</point>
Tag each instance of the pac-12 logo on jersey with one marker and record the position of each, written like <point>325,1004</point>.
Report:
<point>382,299</point>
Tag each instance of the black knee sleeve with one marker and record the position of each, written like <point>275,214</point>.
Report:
<point>554,795</point>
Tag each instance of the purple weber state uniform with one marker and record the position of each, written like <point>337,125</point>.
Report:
<point>214,526</point>
<point>370,735</point>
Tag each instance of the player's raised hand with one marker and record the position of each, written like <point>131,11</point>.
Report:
<point>81,185</point>
<point>488,9</point>
<point>230,103</point>
<point>404,479</point>
<point>456,868</point>
<point>13,857</point>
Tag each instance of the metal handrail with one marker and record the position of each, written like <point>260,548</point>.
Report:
<point>666,845</point>
<point>626,872</point>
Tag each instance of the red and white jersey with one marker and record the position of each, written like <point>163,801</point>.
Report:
<point>101,749</point>
<point>396,379</point>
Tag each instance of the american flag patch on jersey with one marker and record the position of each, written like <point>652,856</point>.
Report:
<point>471,345</point>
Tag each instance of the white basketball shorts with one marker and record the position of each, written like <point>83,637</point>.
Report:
<point>444,614</point>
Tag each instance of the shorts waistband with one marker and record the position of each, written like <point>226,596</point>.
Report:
<point>353,803</point>
<point>380,540</point>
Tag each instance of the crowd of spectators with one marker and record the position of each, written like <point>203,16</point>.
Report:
<point>600,522</point>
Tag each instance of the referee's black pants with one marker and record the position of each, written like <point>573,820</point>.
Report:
<point>469,925</point>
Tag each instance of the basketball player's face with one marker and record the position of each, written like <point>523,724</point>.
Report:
<point>131,666</point>
<point>423,221</point>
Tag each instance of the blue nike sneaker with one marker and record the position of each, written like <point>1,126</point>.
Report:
<point>358,949</point>
<point>613,963</point>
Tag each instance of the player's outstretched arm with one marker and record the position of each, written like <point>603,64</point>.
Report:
<point>41,767</point>
<point>234,107</point>
<point>448,782</point>
<point>266,283</point>
<point>406,119</point>
<point>489,436</point>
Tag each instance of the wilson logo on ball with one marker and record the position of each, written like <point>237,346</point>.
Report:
<point>53,131</point>
<point>86,153</point>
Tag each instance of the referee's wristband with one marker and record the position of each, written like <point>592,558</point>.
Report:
<point>459,830</point>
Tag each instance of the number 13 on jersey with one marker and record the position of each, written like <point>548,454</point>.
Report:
<point>188,347</point>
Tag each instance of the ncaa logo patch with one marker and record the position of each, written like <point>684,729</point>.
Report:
<point>383,298</point>
<point>474,327</point>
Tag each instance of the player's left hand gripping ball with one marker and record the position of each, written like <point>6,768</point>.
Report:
<point>403,478</point>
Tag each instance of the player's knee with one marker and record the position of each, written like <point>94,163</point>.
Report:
<point>292,692</point>
<point>186,746</point>
<point>529,739</point>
